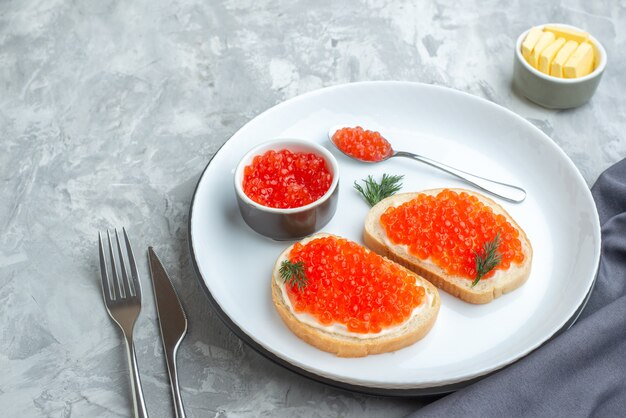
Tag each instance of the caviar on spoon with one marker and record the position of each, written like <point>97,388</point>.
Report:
<point>372,147</point>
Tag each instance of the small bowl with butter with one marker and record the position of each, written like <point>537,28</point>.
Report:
<point>558,66</point>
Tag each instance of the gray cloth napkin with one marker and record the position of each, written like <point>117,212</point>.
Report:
<point>582,372</point>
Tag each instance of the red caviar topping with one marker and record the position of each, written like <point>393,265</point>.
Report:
<point>449,228</point>
<point>362,144</point>
<point>349,285</point>
<point>284,179</point>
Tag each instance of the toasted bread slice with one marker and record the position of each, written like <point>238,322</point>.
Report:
<point>337,339</point>
<point>503,281</point>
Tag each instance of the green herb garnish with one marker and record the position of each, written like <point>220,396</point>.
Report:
<point>293,274</point>
<point>375,192</point>
<point>487,259</point>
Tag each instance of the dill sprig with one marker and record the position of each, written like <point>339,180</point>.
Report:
<point>293,274</point>
<point>375,192</point>
<point>487,259</point>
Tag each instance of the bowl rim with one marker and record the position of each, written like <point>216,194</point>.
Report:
<point>279,144</point>
<point>595,73</point>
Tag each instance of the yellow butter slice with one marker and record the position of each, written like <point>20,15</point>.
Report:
<point>547,55</point>
<point>580,63</point>
<point>556,68</point>
<point>530,41</point>
<point>546,39</point>
<point>569,34</point>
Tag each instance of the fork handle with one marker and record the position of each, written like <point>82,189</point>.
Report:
<point>139,405</point>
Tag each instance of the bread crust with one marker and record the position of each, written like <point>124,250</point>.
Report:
<point>503,281</point>
<point>351,345</point>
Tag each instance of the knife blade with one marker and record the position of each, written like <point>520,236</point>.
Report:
<point>172,322</point>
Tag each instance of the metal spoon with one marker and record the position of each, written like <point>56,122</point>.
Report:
<point>502,190</point>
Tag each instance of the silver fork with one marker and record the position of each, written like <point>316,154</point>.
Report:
<point>122,297</point>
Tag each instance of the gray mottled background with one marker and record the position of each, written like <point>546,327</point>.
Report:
<point>109,110</point>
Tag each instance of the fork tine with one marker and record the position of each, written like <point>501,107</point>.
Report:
<point>133,266</point>
<point>116,280</point>
<point>124,278</point>
<point>106,284</point>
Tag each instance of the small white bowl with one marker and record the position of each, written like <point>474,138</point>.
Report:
<point>553,92</point>
<point>292,223</point>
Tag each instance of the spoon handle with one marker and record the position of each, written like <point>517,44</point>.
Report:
<point>505,191</point>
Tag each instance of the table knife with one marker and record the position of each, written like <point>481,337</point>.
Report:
<point>172,321</point>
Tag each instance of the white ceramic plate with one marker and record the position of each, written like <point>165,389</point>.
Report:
<point>234,263</point>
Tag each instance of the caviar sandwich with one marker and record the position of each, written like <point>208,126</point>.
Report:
<point>459,240</point>
<point>345,299</point>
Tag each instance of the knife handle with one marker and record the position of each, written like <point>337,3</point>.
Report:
<point>173,373</point>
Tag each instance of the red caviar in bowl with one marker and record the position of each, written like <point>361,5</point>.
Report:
<point>449,228</point>
<point>362,144</point>
<point>350,285</point>
<point>284,179</point>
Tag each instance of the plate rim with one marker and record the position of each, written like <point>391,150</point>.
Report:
<point>435,389</point>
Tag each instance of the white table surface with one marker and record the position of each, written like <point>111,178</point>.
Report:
<point>110,110</point>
